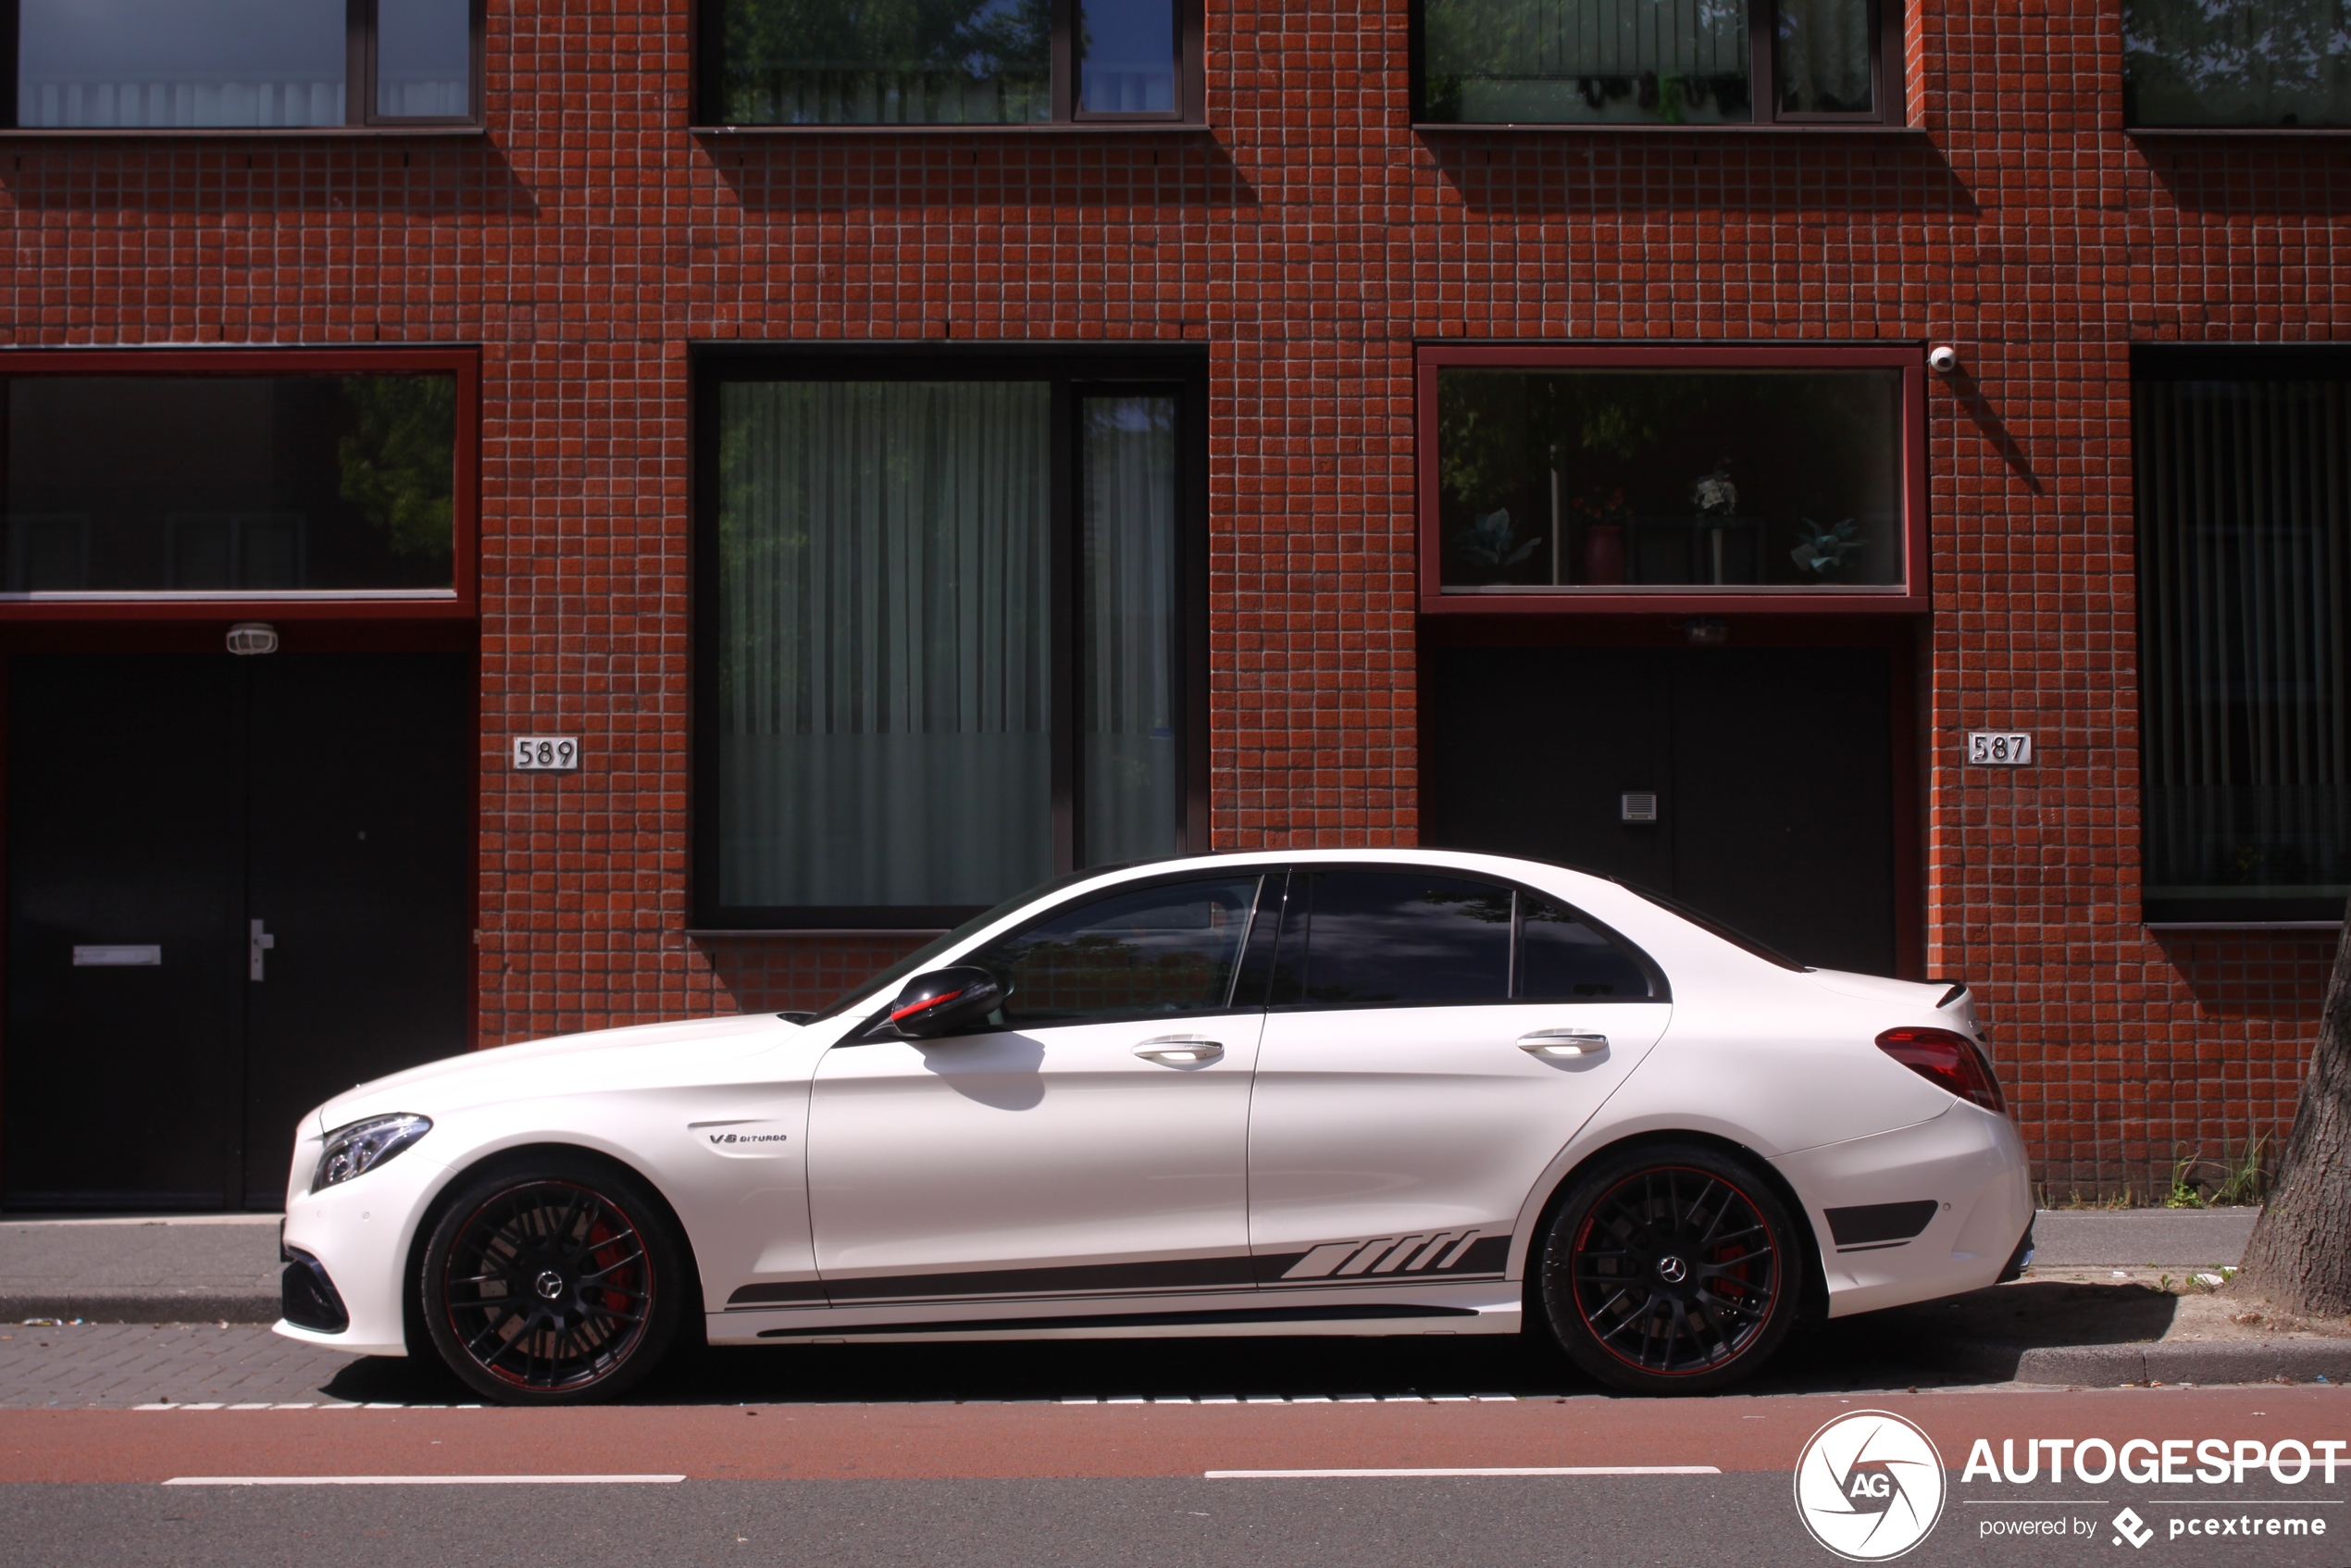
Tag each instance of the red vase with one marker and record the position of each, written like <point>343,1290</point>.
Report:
<point>1604,553</point>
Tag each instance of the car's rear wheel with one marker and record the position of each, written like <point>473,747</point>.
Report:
<point>1671,1269</point>
<point>553,1283</point>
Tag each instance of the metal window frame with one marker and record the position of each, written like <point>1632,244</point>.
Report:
<point>1071,371</point>
<point>460,600</point>
<point>1910,597</point>
<point>359,91</point>
<point>709,31</point>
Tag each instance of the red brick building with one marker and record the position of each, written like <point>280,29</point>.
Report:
<point>556,352</point>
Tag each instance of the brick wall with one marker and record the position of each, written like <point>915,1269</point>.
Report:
<point>1309,241</point>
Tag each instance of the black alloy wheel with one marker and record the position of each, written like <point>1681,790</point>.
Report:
<point>1671,1269</point>
<point>556,1284</point>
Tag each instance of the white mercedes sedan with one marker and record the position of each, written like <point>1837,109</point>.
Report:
<point>1362,1092</point>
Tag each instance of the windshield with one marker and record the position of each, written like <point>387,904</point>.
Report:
<point>915,961</point>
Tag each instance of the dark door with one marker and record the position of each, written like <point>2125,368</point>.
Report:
<point>1773,769</point>
<point>158,806</point>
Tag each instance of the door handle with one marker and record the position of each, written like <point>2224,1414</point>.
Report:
<point>258,941</point>
<point>1179,1051</point>
<point>1563,1044</point>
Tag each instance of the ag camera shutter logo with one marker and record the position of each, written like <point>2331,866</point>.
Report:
<point>1869,1486</point>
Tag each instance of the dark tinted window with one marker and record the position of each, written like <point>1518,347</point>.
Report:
<point>1395,938</point>
<point>1143,953</point>
<point>1562,958</point>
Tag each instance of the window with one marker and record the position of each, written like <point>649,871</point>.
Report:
<point>343,480</point>
<point>1656,62</point>
<point>2244,566</point>
<point>245,64</point>
<point>1409,939</point>
<point>947,648</point>
<point>2236,63</point>
<point>1632,475</point>
<point>1138,953</point>
<point>950,62</point>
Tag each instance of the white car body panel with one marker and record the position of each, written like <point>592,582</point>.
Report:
<point>1385,1159</point>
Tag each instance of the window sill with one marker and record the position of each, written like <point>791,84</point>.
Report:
<point>2278,132</point>
<point>1033,128</point>
<point>226,132</point>
<point>2242,925</point>
<point>727,933</point>
<point>1780,128</point>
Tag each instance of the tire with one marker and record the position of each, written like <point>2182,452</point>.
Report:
<point>557,1282</point>
<point>1671,1269</point>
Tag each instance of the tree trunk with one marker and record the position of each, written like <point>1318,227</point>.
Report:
<point>2300,1255</point>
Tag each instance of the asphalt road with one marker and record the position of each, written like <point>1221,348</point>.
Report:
<point>1071,1454</point>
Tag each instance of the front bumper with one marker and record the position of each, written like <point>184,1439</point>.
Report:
<point>358,1235</point>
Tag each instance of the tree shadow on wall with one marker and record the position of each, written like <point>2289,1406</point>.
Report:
<point>2250,177</point>
<point>1532,173</point>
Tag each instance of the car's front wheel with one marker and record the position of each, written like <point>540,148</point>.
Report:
<point>1671,1269</point>
<point>553,1283</point>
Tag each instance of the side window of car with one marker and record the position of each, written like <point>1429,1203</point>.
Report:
<point>1143,953</point>
<point>1393,938</point>
<point>1563,957</point>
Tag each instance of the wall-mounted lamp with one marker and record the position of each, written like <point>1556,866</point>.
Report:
<point>1943,359</point>
<point>253,637</point>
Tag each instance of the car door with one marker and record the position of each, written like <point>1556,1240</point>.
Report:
<point>1093,1141</point>
<point>1434,1041</point>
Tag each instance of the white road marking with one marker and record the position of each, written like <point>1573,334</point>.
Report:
<point>423,1480</point>
<point>1439,1474</point>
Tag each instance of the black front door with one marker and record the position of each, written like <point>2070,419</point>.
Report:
<point>235,887</point>
<point>1772,769</point>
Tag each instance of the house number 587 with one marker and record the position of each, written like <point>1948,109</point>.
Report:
<point>1999,748</point>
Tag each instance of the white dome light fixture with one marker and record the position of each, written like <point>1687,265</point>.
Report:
<point>253,637</point>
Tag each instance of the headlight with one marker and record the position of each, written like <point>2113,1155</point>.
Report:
<point>361,1147</point>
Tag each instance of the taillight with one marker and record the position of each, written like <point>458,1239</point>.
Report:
<point>1948,1061</point>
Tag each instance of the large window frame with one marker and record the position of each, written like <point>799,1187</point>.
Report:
<point>461,601</point>
<point>1887,85</point>
<point>2189,645</point>
<point>359,92</point>
<point>1190,115</point>
<point>1071,374</point>
<point>1909,596</point>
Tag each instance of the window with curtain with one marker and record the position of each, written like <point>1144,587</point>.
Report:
<point>2236,63</point>
<point>2244,531</point>
<point>949,62</point>
<point>247,64</point>
<point>1653,62</point>
<point>936,609</point>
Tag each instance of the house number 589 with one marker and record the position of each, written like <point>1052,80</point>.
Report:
<point>547,754</point>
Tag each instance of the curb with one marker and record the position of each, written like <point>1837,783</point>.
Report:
<point>132,1305</point>
<point>2189,1361</point>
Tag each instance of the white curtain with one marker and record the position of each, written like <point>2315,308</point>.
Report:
<point>1130,767</point>
<point>885,643</point>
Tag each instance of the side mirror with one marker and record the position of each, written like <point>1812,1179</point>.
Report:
<point>946,1001</point>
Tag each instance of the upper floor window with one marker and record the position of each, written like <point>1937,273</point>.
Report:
<point>2236,63</point>
<point>2245,681</point>
<point>298,476</point>
<point>950,62</point>
<point>244,64</point>
<point>1656,62</point>
<point>951,630</point>
<point>1642,476</point>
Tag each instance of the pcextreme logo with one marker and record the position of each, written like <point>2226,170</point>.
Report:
<point>1869,1486</point>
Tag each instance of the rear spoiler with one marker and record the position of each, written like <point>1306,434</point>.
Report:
<point>1959,989</point>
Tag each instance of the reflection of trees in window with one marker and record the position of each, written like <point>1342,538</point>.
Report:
<point>816,62</point>
<point>2236,62</point>
<point>398,460</point>
<point>1547,61</point>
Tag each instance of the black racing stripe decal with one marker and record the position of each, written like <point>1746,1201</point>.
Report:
<point>1173,1273</point>
<point>779,1294</point>
<point>1334,1313</point>
<point>1876,1222</point>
